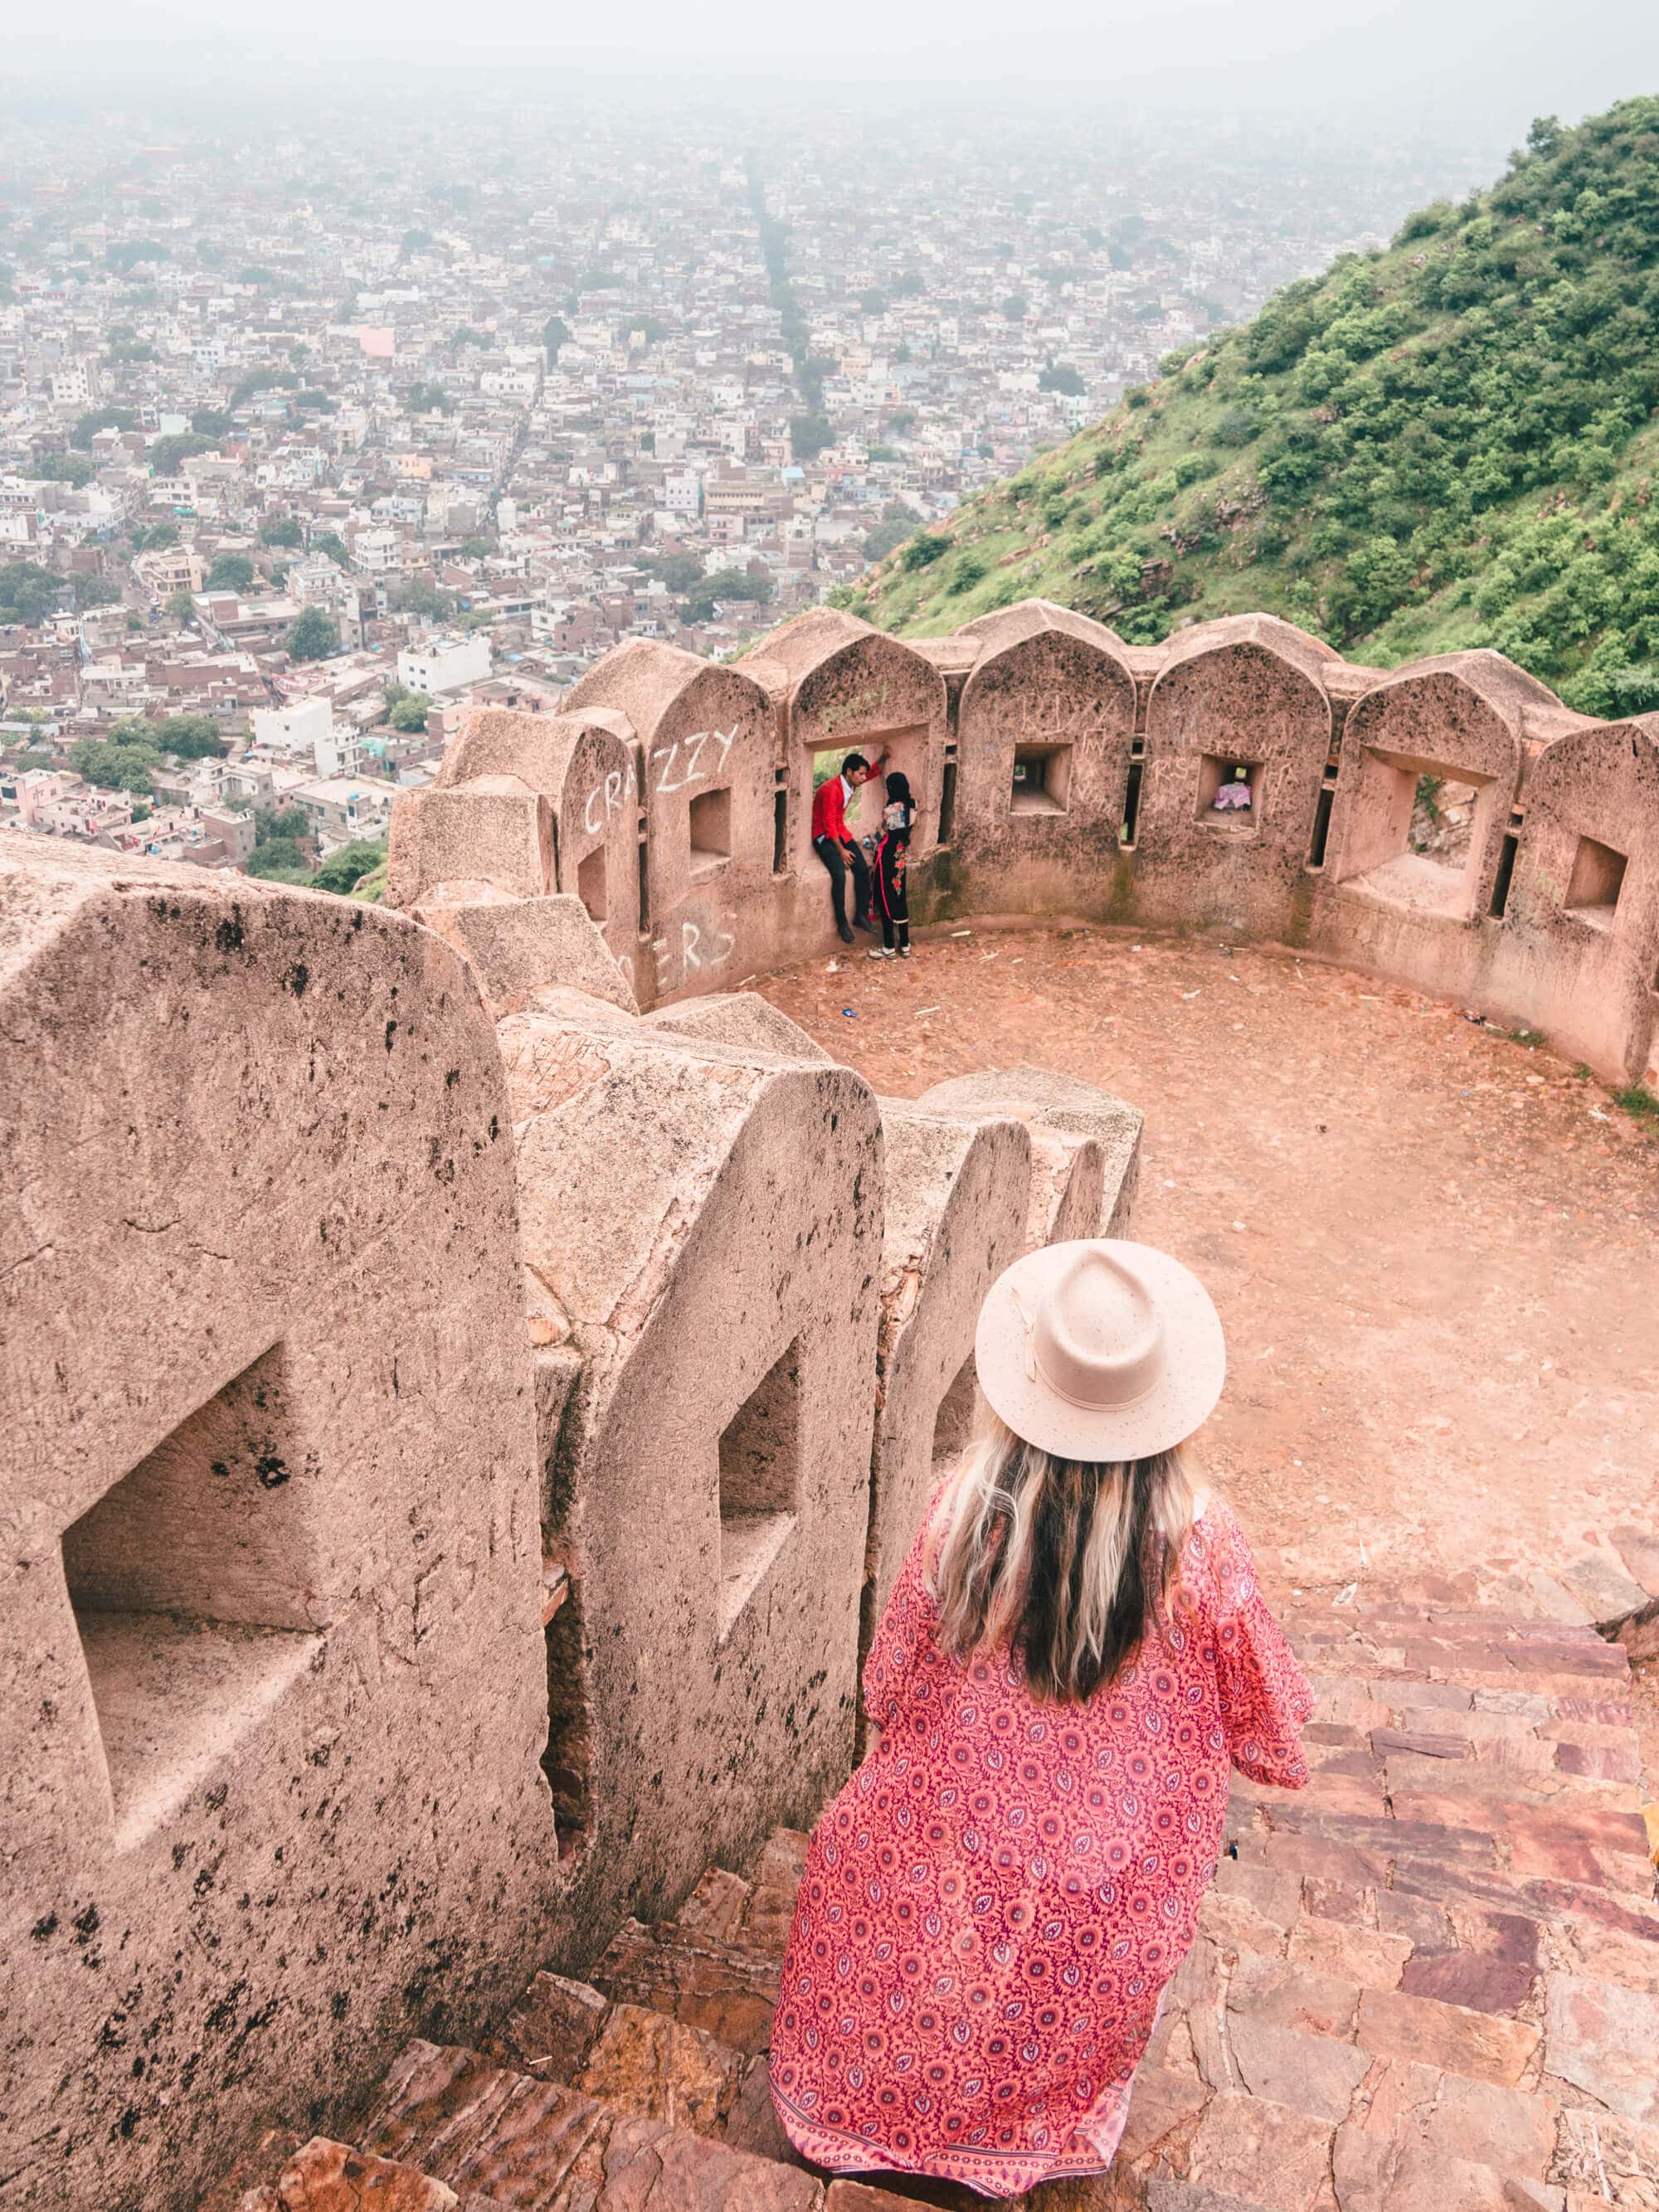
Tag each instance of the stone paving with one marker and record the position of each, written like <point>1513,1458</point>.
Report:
<point>1430,1983</point>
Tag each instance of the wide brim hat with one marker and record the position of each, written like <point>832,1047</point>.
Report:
<point>1100,1349</point>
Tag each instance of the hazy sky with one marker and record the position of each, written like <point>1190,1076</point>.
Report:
<point>1492,59</point>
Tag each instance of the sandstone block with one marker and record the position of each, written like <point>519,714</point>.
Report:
<point>1450,2036</point>
<point>330,2177</point>
<point>551,2030</point>
<point>1603,2038</point>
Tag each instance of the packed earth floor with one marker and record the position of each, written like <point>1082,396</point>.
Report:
<point>1433,1242</point>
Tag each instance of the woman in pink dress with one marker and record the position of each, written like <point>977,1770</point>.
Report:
<point>1074,1656</point>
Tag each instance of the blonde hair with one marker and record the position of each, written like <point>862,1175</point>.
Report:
<point>1064,1559</point>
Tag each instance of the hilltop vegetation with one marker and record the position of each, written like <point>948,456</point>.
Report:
<point>1449,443</point>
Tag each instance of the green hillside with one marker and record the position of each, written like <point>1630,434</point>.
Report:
<point>1450,443</point>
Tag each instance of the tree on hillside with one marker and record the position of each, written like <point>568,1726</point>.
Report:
<point>347,865</point>
<point>89,425</point>
<point>74,469</point>
<point>231,572</point>
<point>210,422</point>
<point>284,530</point>
<point>313,636</point>
<point>153,536</point>
<point>409,713</point>
<point>419,595</point>
<point>331,542</point>
<point>810,435</point>
<point>88,590</point>
<point>29,592</point>
<point>1060,376</point>
<point>167,455</point>
<point>124,761</point>
<point>556,332</point>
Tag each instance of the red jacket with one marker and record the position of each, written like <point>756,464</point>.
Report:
<point>830,811</point>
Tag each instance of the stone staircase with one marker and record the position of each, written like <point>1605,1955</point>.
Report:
<point>1430,1983</point>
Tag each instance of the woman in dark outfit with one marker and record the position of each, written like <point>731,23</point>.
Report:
<point>892,854</point>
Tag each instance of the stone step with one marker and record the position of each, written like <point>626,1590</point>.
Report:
<point>728,1989</point>
<point>538,2145</point>
<point>324,2176</point>
<point>645,2063</point>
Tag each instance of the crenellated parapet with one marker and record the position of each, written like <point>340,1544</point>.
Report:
<point>1059,771</point>
<point>460,1427</point>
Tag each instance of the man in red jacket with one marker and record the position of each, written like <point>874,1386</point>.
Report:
<point>837,846</point>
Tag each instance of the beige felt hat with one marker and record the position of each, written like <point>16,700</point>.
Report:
<point>1100,1349</point>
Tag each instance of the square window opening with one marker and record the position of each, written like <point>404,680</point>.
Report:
<point>1401,846</point>
<point>1598,877</point>
<point>1229,794</point>
<point>711,830</point>
<point>190,1582</point>
<point>1043,780</point>
<point>591,884</point>
<point>759,1483</point>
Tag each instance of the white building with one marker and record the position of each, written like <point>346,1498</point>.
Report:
<point>444,664</point>
<point>296,728</point>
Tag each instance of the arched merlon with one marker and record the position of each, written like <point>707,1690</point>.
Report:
<point>703,1222</point>
<point>269,1498</point>
<point>1242,701</point>
<point>1578,954</point>
<point>1044,730</point>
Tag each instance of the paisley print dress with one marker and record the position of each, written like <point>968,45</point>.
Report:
<point>994,1904</point>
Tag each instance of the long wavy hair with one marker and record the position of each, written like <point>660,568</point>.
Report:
<point>1065,1560</point>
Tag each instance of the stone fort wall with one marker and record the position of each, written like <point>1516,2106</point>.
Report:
<point>1060,771</point>
<point>463,1426</point>
<point>459,1431</point>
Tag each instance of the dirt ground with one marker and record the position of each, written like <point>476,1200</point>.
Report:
<point>1433,1247</point>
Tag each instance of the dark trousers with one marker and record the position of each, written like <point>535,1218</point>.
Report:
<point>891,854</point>
<point>839,860</point>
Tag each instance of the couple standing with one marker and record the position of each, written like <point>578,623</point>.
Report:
<point>837,846</point>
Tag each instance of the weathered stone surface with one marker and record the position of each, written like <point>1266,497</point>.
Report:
<point>653,2068</point>
<point>270,1506</point>
<point>1287,2067</point>
<point>649,2167</point>
<point>1604,2040</point>
<point>725,1989</point>
<point>955,1219</point>
<point>551,2029</point>
<point>1271,2154</point>
<point>771,1908</point>
<point>518,947</point>
<point>716,1907</point>
<point>714,1508</point>
<point>1449,2036</point>
<point>331,2177</point>
<point>483,2128</point>
<point>1362,1955</point>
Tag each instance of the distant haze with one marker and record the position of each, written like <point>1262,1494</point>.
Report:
<point>1485,64</point>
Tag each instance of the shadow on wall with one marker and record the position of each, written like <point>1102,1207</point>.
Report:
<point>1240,777</point>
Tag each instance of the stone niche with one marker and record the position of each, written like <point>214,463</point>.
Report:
<point>838,686</point>
<point>1578,953</point>
<point>1045,729</point>
<point>530,804</point>
<point>707,742</point>
<point>270,1507</point>
<point>702,1221</point>
<point>1247,694</point>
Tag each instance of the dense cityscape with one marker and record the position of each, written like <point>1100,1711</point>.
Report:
<point>312,439</point>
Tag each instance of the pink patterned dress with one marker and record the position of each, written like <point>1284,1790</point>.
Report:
<point>992,1905</point>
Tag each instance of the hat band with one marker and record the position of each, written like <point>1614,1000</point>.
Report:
<point>1040,1373</point>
